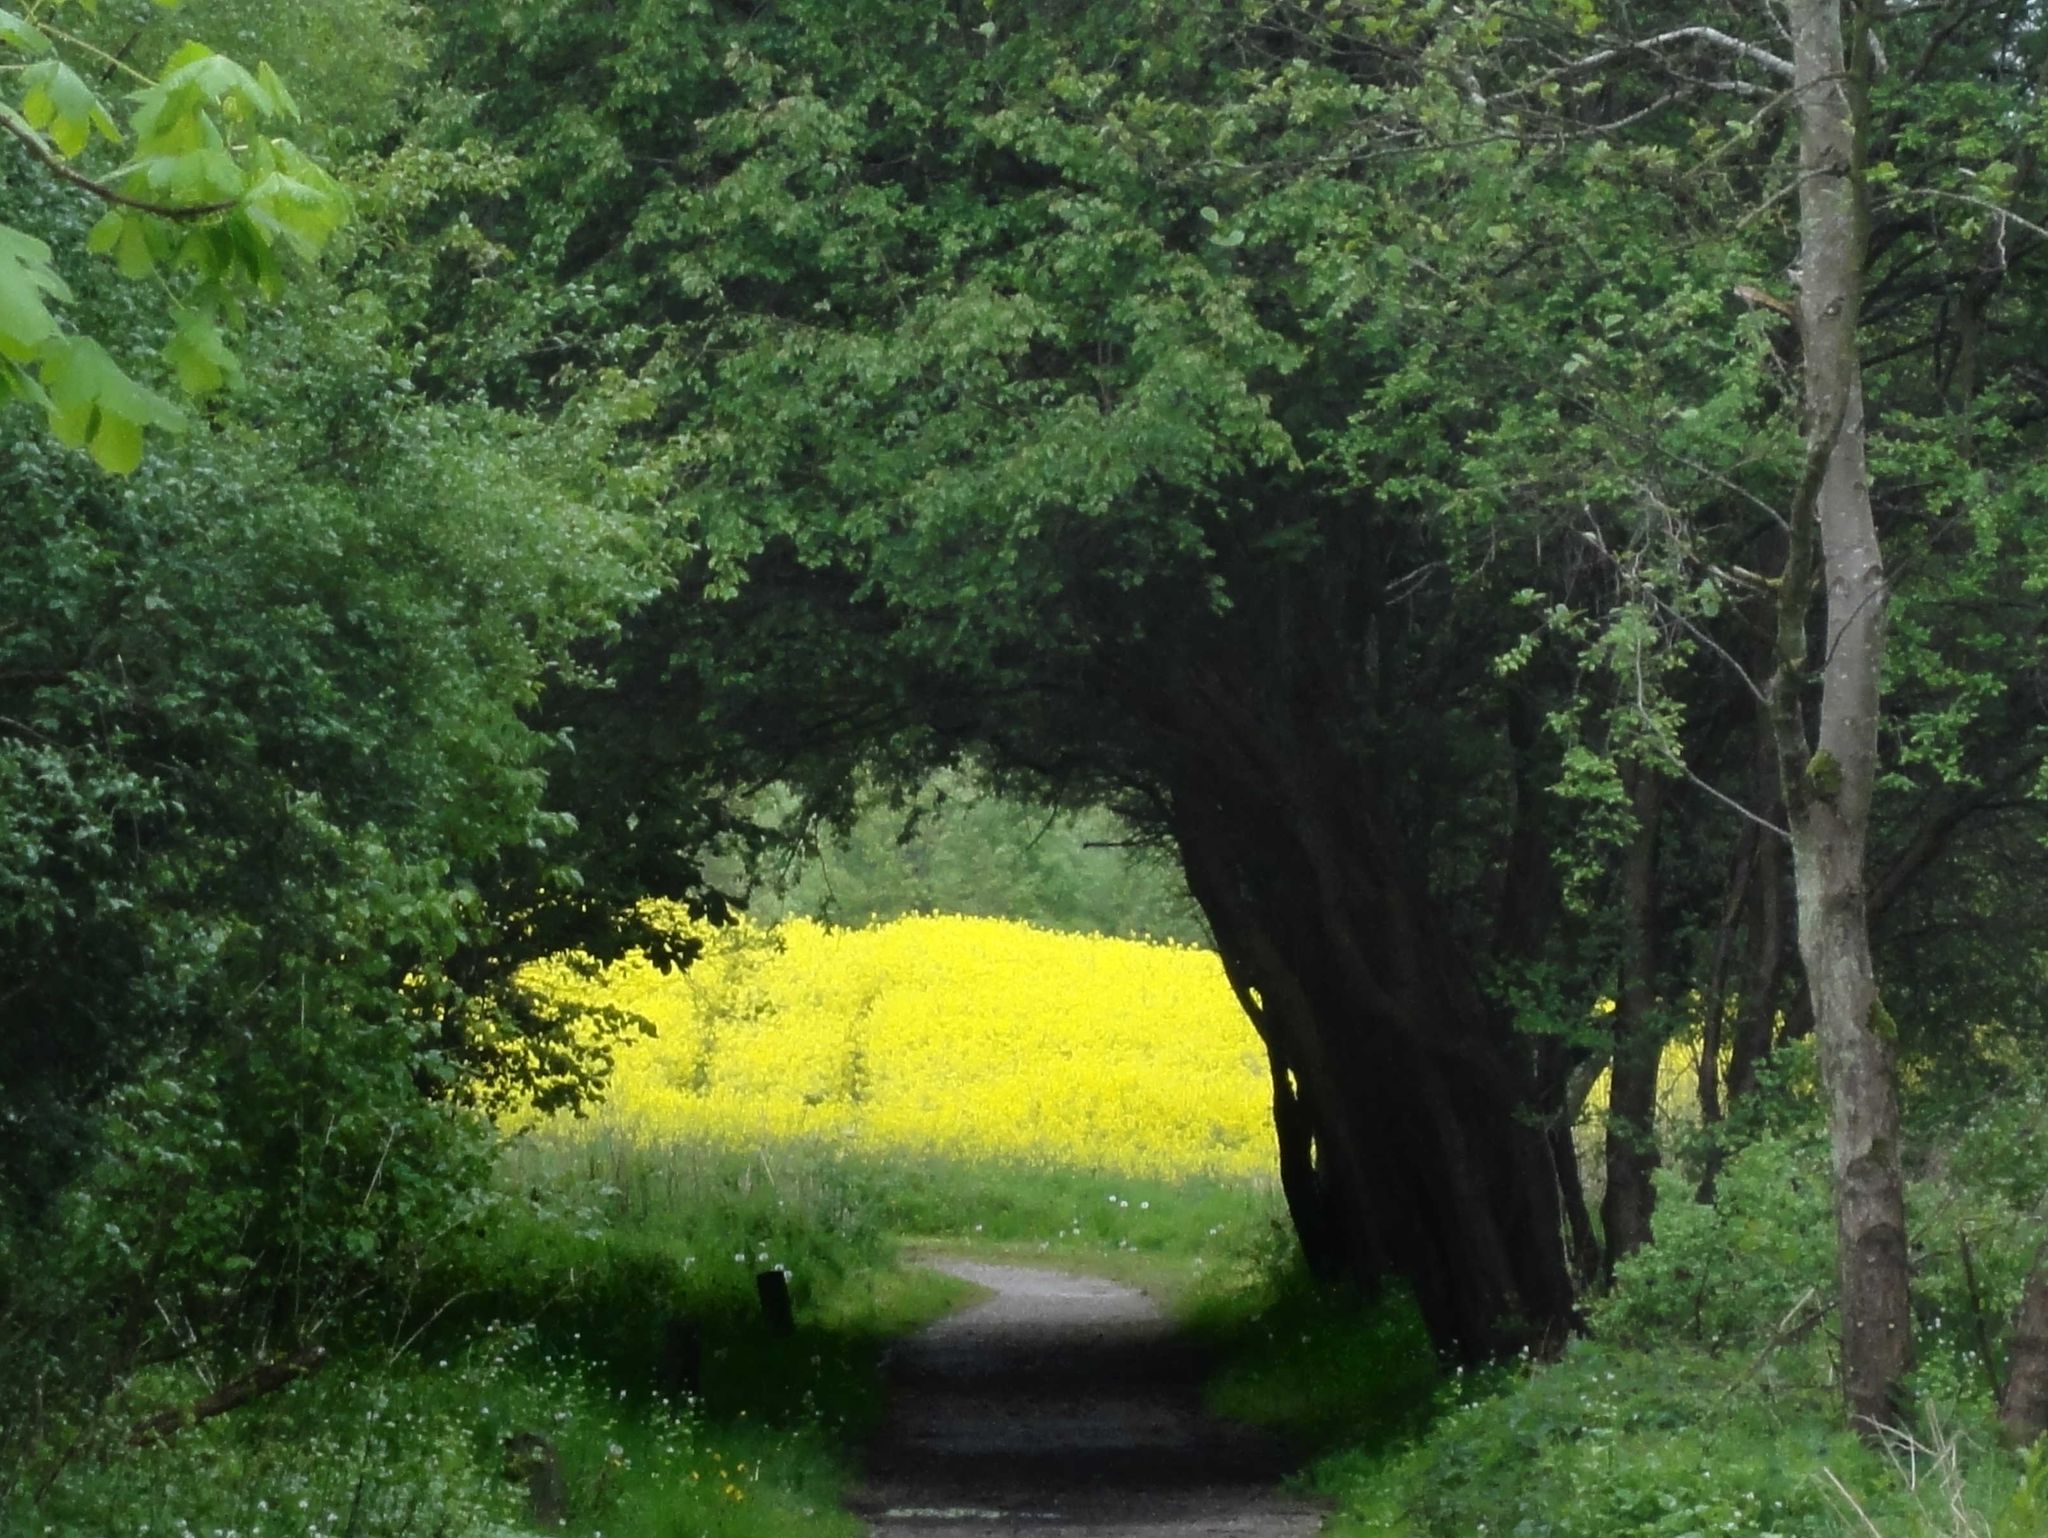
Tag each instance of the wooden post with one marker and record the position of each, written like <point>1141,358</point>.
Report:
<point>678,1373</point>
<point>773,1287</point>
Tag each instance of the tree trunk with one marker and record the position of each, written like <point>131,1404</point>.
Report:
<point>1714,1002</point>
<point>1430,1160</point>
<point>1828,784</point>
<point>1763,969</point>
<point>1301,1181</point>
<point>2023,1408</point>
<point>1584,1244</point>
<point>1638,1044</point>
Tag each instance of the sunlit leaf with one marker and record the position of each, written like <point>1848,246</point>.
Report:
<point>57,102</point>
<point>200,356</point>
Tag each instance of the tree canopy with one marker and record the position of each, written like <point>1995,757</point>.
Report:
<point>1361,449</point>
<point>1356,445</point>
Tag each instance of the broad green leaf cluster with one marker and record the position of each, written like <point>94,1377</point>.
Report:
<point>203,194</point>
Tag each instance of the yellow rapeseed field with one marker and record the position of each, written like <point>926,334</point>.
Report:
<point>963,1037</point>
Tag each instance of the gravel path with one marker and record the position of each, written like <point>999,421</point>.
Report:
<point>1064,1404</point>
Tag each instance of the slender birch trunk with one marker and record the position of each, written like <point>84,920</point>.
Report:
<point>1829,782</point>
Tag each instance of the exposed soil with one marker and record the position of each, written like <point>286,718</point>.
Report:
<point>1064,1404</point>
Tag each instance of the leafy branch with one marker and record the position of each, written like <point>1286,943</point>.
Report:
<point>207,192</point>
<point>41,149</point>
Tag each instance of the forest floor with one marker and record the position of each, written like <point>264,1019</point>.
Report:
<point>1068,1404</point>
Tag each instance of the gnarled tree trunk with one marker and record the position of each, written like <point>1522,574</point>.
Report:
<point>2023,1407</point>
<point>1430,1160</point>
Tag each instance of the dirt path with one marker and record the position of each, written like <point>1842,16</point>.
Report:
<point>1064,1404</point>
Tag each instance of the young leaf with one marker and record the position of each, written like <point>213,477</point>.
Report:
<point>22,35</point>
<point>26,280</point>
<point>305,213</point>
<point>57,102</point>
<point>196,77</point>
<point>94,405</point>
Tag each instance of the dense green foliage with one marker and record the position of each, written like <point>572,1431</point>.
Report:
<point>265,736</point>
<point>955,848</point>
<point>859,455</point>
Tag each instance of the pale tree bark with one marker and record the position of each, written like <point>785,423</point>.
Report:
<point>1828,782</point>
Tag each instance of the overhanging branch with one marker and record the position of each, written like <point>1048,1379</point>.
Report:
<point>41,149</point>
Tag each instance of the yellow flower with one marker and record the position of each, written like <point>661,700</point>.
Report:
<point>967,1037</point>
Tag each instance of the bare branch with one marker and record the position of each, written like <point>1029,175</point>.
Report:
<point>1762,57</point>
<point>254,1384</point>
<point>1986,204</point>
<point>1656,735</point>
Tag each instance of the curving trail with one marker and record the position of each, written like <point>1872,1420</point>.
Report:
<point>1064,1405</point>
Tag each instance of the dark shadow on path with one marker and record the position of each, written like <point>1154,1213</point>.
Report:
<point>1065,1404</point>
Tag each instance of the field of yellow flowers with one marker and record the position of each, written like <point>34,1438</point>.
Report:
<point>963,1038</point>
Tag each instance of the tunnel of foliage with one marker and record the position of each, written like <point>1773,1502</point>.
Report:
<point>1353,446</point>
<point>1349,444</point>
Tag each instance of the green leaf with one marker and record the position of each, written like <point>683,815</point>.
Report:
<point>287,108</point>
<point>18,383</point>
<point>57,102</point>
<point>93,404</point>
<point>105,235</point>
<point>306,213</point>
<point>27,280</point>
<point>126,238</point>
<point>171,115</point>
<point>200,357</point>
<point>117,444</point>
<point>22,35</point>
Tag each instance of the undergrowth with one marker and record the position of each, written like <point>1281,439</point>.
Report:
<point>1705,1399</point>
<point>600,1331</point>
<point>608,1305</point>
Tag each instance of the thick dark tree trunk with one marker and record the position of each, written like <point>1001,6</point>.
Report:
<point>2023,1408</point>
<point>1430,1161</point>
<point>1311,1208</point>
<point>1638,1043</point>
<point>1309,1204</point>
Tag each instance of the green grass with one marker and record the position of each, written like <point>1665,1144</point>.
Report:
<point>552,1321</point>
<point>1672,1442</point>
<point>1069,1212</point>
<point>1322,1366</point>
